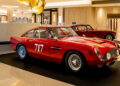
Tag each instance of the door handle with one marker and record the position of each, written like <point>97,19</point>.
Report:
<point>56,48</point>
<point>40,41</point>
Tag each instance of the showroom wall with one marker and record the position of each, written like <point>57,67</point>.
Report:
<point>80,15</point>
<point>101,12</point>
<point>14,29</point>
<point>102,20</point>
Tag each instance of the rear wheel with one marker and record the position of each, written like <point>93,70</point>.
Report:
<point>22,52</point>
<point>74,61</point>
<point>109,37</point>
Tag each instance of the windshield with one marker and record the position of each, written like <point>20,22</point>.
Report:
<point>61,32</point>
<point>89,28</point>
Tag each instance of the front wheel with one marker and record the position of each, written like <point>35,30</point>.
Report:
<point>22,52</point>
<point>109,37</point>
<point>74,61</point>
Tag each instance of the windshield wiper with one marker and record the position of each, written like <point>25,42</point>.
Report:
<point>70,35</point>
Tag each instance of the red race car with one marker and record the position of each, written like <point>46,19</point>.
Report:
<point>62,45</point>
<point>88,31</point>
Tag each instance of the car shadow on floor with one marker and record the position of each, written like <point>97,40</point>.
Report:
<point>89,77</point>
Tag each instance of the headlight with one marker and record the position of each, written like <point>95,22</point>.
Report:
<point>118,52</point>
<point>108,56</point>
<point>97,52</point>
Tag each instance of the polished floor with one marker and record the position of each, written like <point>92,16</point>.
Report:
<point>5,49</point>
<point>34,72</point>
<point>16,73</point>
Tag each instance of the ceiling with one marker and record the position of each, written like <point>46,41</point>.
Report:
<point>17,7</point>
<point>15,2</point>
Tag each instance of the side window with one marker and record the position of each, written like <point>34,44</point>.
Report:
<point>75,28</point>
<point>40,33</point>
<point>29,34</point>
<point>82,28</point>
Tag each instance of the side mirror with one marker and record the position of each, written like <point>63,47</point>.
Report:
<point>56,38</point>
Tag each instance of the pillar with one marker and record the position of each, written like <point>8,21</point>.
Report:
<point>60,16</point>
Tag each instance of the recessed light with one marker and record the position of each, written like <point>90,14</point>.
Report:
<point>9,6</point>
<point>69,3</point>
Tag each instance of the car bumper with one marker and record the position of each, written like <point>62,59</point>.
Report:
<point>107,62</point>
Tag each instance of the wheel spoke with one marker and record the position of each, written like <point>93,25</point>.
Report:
<point>22,52</point>
<point>74,62</point>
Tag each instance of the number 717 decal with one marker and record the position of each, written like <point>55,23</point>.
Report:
<point>39,47</point>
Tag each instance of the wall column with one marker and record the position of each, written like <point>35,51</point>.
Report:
<point>60,16</point>
<point>9,14</point>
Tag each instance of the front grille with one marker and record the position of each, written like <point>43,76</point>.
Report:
<point>113,53</point>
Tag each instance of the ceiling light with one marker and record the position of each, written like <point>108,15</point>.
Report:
<point>3,11</point>
<point>14,15</point>
<point>69,3</point>
<point>9,6</point>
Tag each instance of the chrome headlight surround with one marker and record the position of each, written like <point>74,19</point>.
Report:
<point>118,52</point>
<point>108,55</point>
<point>97,52</point>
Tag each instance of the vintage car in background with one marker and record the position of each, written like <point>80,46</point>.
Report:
<point>62,45</point>
<point>88,31</point>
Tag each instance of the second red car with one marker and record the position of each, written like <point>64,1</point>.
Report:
<point>88,31</point>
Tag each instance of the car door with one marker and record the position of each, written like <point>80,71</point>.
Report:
<point>40,43</point>
<point>46,48</point>
<point>55,47</point>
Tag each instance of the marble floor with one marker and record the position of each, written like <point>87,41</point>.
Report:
<point>12,76</point>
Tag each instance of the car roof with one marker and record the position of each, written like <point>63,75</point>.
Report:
<point>46,27</point>
<point>49,26</point>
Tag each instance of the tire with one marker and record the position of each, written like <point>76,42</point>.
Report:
<point>109,37</point>
<point>74,61</point>
<point>22,52</point>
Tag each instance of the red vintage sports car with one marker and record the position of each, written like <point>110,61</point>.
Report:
<point>88,31</point>
<point>62,45</point>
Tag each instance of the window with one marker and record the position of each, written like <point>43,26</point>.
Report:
<point>40,33</point>
<point>75,28</point>
<point>80,28</point>
<point>29,34</point>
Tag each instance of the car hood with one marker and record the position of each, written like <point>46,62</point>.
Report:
<point>89,41</point>
<point>82,39</point>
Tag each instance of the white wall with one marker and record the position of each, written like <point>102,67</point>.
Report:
<point>14,29</point>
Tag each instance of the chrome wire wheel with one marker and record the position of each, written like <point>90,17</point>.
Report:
<point>21,52</point>
<point>109,37</point>
<point>74,62</point>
